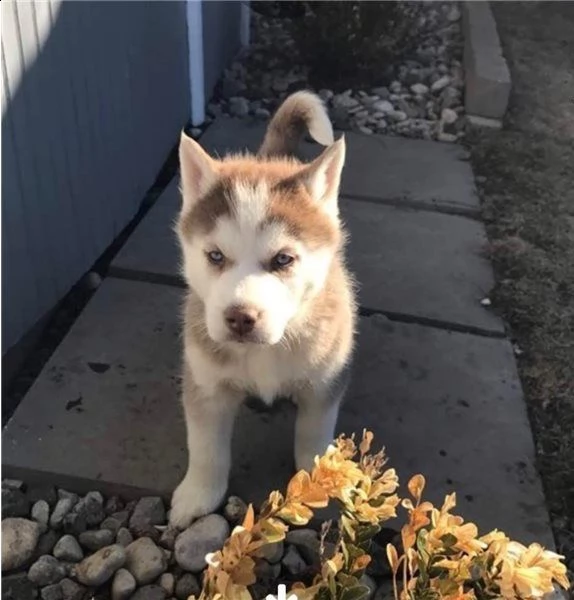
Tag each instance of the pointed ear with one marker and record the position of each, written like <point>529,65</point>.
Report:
<point>323,176</point>
<point>198,170</point>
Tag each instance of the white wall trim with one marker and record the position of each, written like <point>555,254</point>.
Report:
<point>194,16</point>
<point>244,23</point>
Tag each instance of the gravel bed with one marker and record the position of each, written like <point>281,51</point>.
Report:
<point>57,545</point>
<point>418,98</point>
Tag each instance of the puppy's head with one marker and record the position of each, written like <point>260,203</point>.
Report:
<point>258,238</point>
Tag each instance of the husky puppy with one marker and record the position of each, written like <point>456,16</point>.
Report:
<point>270,309</point>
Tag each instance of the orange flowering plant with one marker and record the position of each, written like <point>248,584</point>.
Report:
<point>442,557</point>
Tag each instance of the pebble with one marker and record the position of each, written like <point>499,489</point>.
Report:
<point>267,572</point>
<point>19,539</point>
<point>123,585</point>
<point>381,92</point>
<point>395,87</point>
<point>234,510</point>
<point>98,568</point>
<point>124,537</point>
<point>262,113</point>
<point>440,83</point>
<point>448,115</point>
<point>18,587</point>
<point>167,582</point>
<point>47,542</point>
<point>186,586</point>
<point>72,590</point>
<point>116,520</point>
<point>420,89</point>
<point>148,511</point>
<point>365,130</point>
<point>446,137</point>
<point>52,592</point>
<point>272,553</point>
<point>149,592</point>
<point>145,561</point>
<point>239,106</point>
<point>62,494</point>
<point>93,540</point>
<point>168,536</point>
<point>68,549</point>
<point>397,115</point>
<point>113,505</point>
<point>383,106</point>
<point>46,571</point>
<point>205,535</point>
<point>41,514</point>
<point>62,508</point>
<point>306,541</point>
<point>13,484</point>
<point>292,561</point>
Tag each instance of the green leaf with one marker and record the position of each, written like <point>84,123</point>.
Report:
<point>357,592</point>
<point>367,532</point>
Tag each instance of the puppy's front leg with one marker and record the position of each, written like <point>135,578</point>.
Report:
<point>317,414</point>
<point>209,420</point>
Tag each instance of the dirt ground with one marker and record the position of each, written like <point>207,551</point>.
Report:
<point>526,175</point>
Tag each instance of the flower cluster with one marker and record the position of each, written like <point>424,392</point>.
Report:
<point>442,557</point>
<point>445,558</point>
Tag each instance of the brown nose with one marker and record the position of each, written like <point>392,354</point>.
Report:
<point>240,319</point>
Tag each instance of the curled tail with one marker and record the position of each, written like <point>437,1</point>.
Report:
<point>300,112</point>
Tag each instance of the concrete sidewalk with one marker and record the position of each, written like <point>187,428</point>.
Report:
<point>435,377</point>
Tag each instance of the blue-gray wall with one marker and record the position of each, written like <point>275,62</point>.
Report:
<point>94,96</point>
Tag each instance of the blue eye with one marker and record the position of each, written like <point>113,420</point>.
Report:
<point>215,257</point>
<point>281,261</point>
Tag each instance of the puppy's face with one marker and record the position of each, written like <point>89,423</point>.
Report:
<point>257,238</point>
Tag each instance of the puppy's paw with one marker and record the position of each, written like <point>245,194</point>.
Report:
<point>191,501</point>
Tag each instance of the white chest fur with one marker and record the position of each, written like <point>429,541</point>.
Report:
<point>265,371</point>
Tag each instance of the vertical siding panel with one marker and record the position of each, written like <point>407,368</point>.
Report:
<point>24,159</point>
<point>94,96</point>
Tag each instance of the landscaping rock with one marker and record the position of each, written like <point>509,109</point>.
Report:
<point>370,583</point>
<point>187,585</point>
<point>19,539</point>
<point>123,585</point>
<point>167,582</point>
<point>93,540</point>
<point>168,537</point>
<point>149,592</point>
<point>18,587</point>
<point>113,505</point>
<point>292,562</point>
<point>205,535</point>
<point>124,537</point>
<point>272,553</point>
<point>145,561</point>
<point>68,549</point>
<point>307,543</point>
<point>235,509</point>
<point>46,571</point>
<point>72,590</point>
<point>41,514</point>
<point>115,521</point>
<point>46,543</point>
<point>62,508</point>
<point>148,511</point>
<point>98,568</point>
<point>52,592</point>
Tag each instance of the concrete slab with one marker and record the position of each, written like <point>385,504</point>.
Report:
<point>104,412</point>
<point>424,264</point>
<point>416,172</point>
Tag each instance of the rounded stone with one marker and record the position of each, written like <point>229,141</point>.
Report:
<point>41,514</point>
<point>68,549</point>
<point>234,510</point>
<point>72,590</point>
<point>46,571</point>
<point>14,503</point>
<point>124,537</point>
<point>205,535</point>
<point>292,562</point>
<point>93,540</point>
<point>148,511</point>
<point>123,585</point>
<point>167,582</point>
<point>19,539</point>
<point>98,568</point>
<point>186,586</point>
<point>149,592</point>
<point>145,561</point>
<point>62,508</point>
<point>52,592</point>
